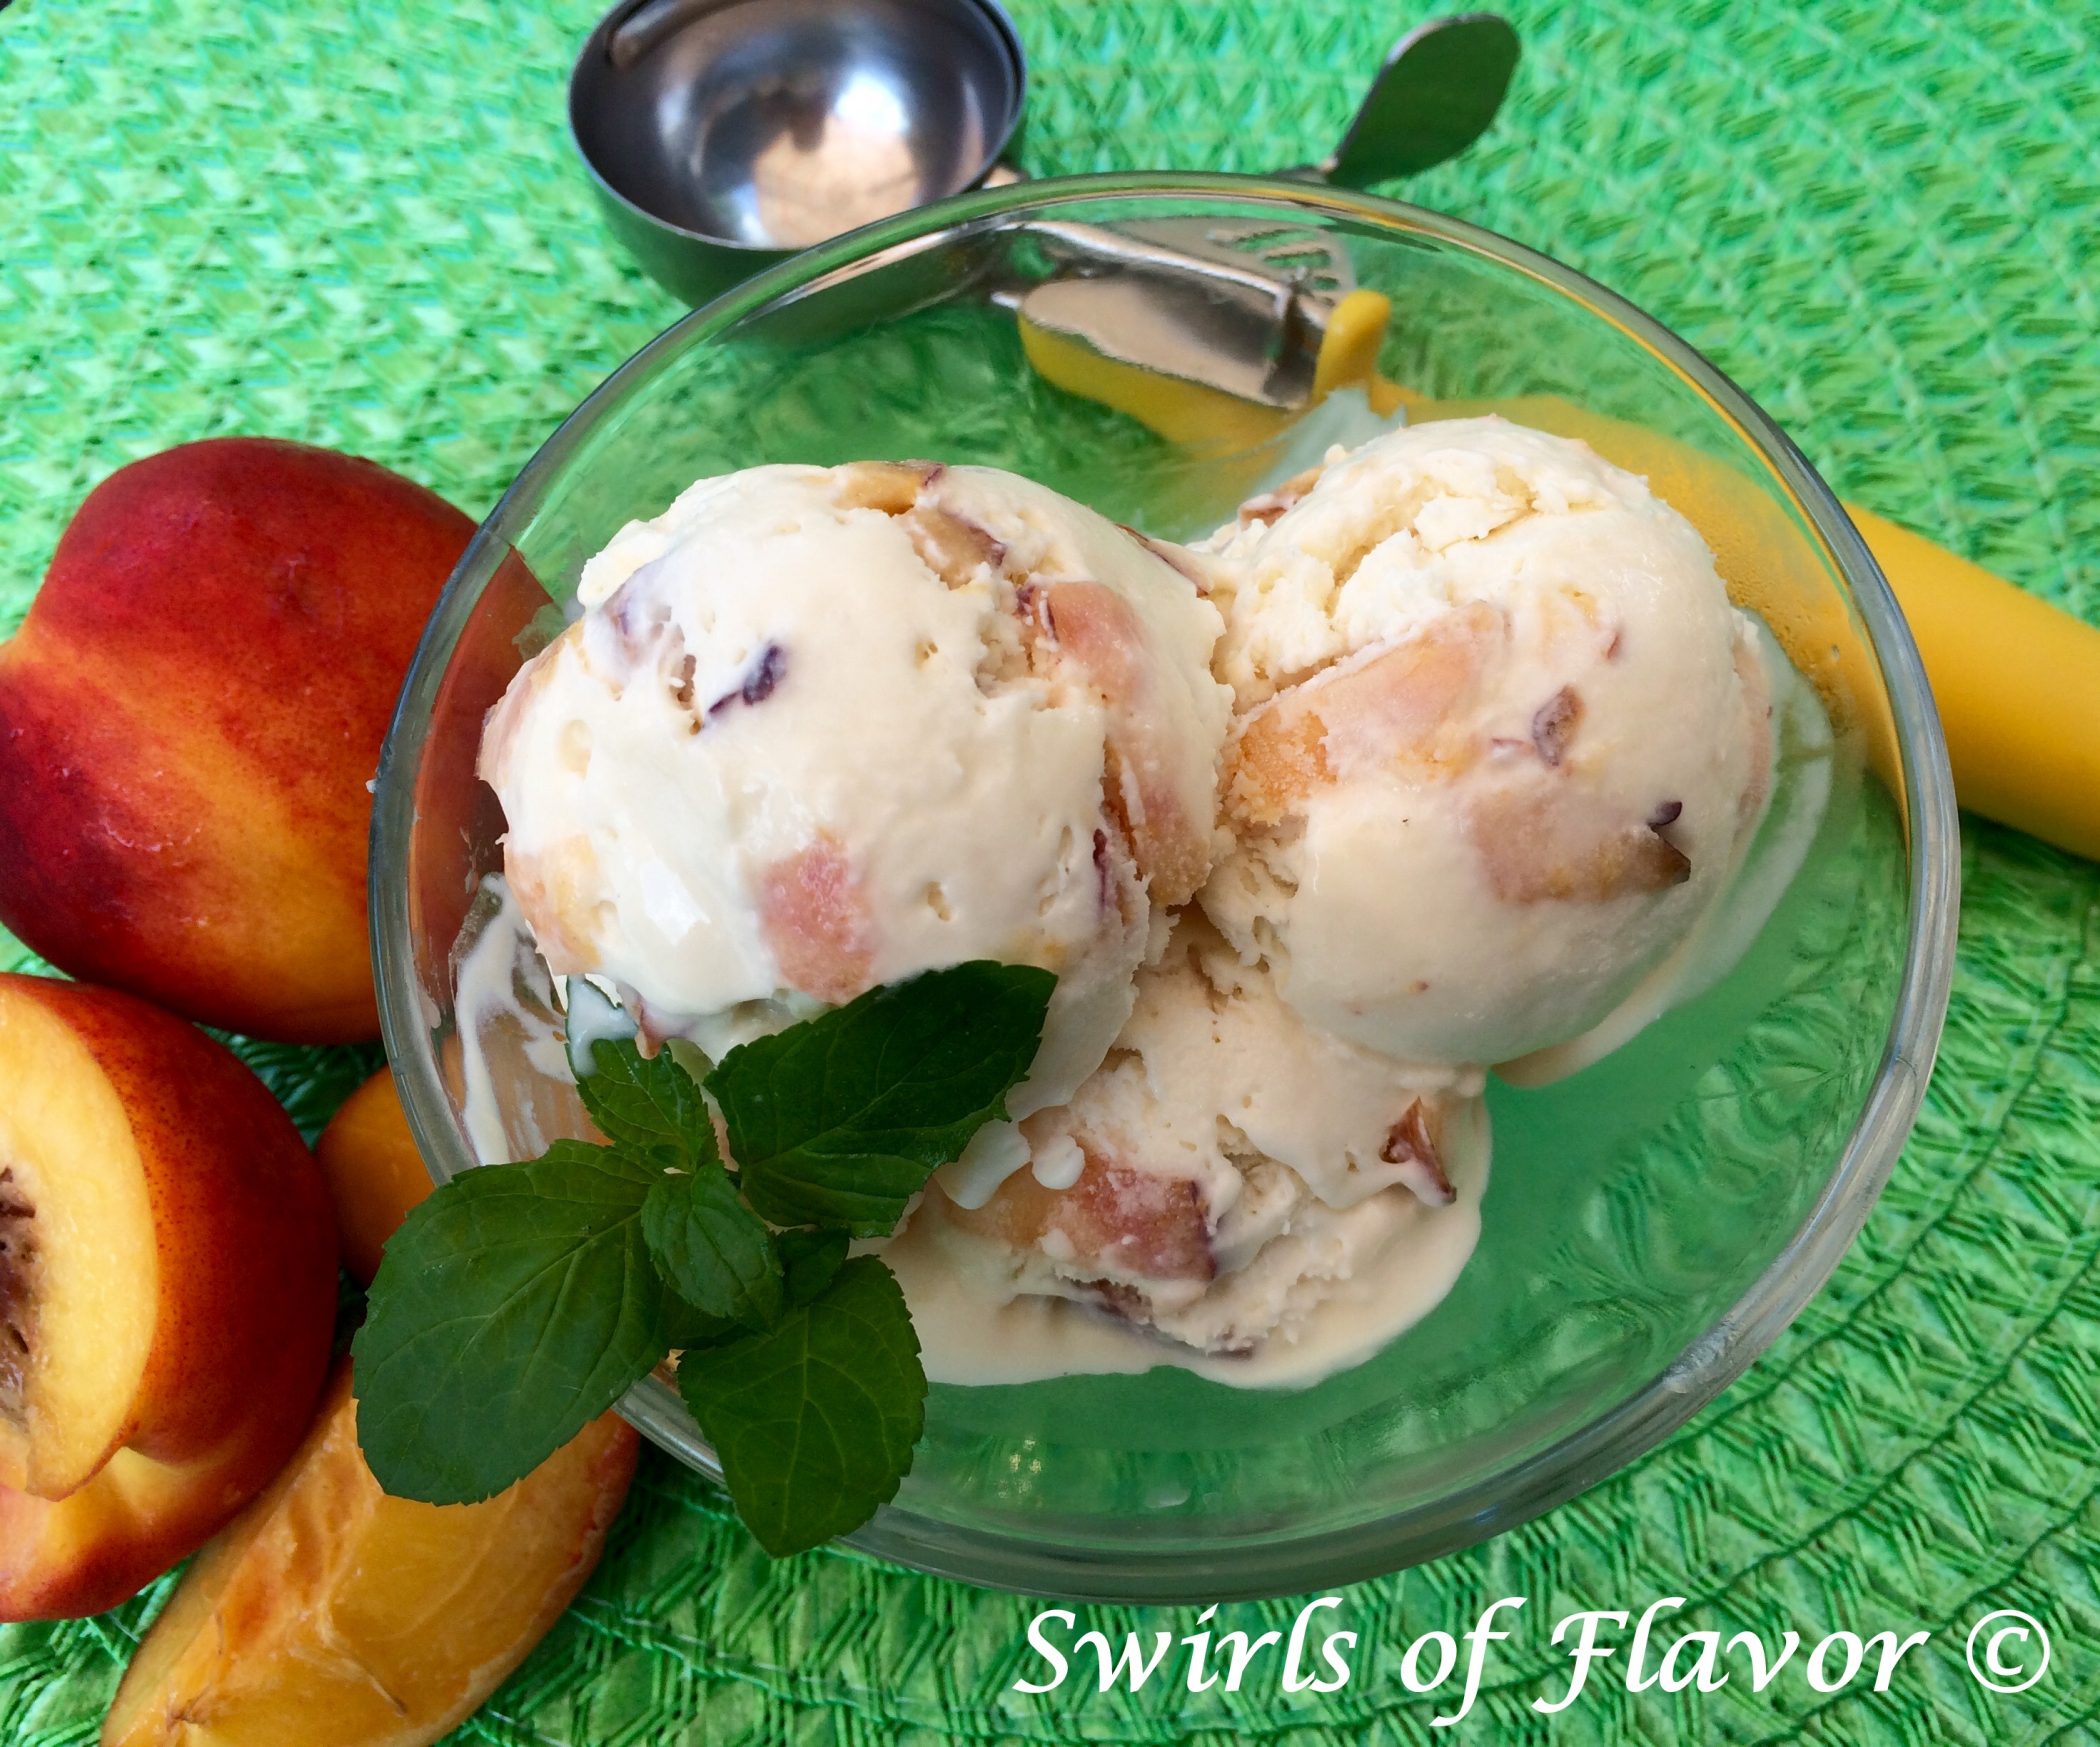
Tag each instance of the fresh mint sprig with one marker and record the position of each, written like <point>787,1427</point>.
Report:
<point>712,1250</point>
<point>648,1106</point>
<point>815,1419</point>
<point>512,1308</point>
<point>839,1122</point>
<point>520,1301</point>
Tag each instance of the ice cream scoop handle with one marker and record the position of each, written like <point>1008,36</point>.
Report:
<point>2017,682</point>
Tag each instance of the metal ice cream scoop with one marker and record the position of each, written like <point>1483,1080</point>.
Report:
<point>1248,308</point>
<point>723,135</point>
<point>1205,331</point>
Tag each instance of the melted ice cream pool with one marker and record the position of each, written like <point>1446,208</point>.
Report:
<point>1340,1287</point>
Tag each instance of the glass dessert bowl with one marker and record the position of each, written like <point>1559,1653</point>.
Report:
<point>1651,1222</point>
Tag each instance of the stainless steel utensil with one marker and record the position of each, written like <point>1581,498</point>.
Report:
<point>723,135</point>
<point>1436,94</point>
<point>1247,309</point>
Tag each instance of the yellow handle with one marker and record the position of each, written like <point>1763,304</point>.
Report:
<point>2017,682</point>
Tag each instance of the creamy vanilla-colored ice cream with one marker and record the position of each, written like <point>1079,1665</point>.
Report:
<point>820,729</point>
<point>1500,737</point>
<point>1421,765</point>
<point>1228,1172</point>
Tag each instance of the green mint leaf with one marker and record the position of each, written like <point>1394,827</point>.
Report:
<point>811,1258</point>
<point>839,1120</point>
<point>651,1105</point>
<point>815,1419</point>
<point>685,1327</point>
<point>712,1250</point>
<point>513,1307</point>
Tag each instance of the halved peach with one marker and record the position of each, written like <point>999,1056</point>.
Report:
<point>133,1519</point>
<point>334,1616</point>
<point>168,1276</point>
<point>375,1172</point>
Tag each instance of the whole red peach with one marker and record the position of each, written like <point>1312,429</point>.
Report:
<point>190,716</point>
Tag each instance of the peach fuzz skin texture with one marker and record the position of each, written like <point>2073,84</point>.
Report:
<point>231,1239</point>
<point>189,717</point>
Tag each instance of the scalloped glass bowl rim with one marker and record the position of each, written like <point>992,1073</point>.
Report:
<point>1132,1567</point>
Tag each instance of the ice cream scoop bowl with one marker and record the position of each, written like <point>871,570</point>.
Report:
<point>721,138</point>
<point>1650,1224</point>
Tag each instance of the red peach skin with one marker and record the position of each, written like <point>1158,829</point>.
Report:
<point>189,717</point>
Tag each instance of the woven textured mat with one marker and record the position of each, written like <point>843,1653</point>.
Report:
<point>359,225</point>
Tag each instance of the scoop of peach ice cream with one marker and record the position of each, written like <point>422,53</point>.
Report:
<point>1500,737</point>
<point>820,729</point>
<point>1227,1172</point>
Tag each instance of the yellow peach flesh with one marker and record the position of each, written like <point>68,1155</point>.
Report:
<point>86,1302</point>
<point>331,1615</point>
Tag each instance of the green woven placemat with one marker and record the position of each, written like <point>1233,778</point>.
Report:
<point>359,225</point>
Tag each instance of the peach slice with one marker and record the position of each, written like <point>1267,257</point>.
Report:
<point>169,1291</point>
<point>188,719</point>
<point>375,1172</point>
<point>332,1615</point>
